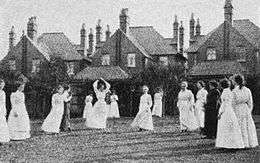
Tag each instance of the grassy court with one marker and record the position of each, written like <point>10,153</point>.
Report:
<point>120,143</point>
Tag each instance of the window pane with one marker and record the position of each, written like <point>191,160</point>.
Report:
<point>70,68</point>
<point>35,65</point>
<point>106,60</point>
<point>211,54</point>
<point>164,60</point>
<point>131,60</point>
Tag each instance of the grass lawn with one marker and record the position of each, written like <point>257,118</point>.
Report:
<point>120,143</point>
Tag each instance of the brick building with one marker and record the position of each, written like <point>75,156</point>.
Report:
<point>232,47</point>
<point>133,48</point>
<point>31,51</point>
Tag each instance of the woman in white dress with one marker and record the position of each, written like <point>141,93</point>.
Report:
<point>228,132</point>
<point>188,121</point>
<point>113,109</point>
<point>143,119</point>
<point>99,118</point>
<point>4,131</point>
<point>157,107</point>
<point>88,110</point>
<point>201,99</point>
<point>243,106</point>
<point>53,121</point>
<point>18,120</point>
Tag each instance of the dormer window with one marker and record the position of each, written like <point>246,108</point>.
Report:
<point>131,60</point>
<point>106,60</point>
<point>70,68</point>
<point>12,64</point>
<point>241,53</point>
<point>211,54</point>
<point>35,65</point>
<point>164,61</point>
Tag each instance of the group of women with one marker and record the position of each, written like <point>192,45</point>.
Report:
<point>225,116</point>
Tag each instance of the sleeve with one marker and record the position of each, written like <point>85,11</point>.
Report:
<point>150,101</point>
<point>116,97</point>
<point>67,98</point>
<point>4,103</point>
<point>87,99</point>
<point>250,100</point>
<point>204,96</point>
<point>107,85</point>
<point>224,99</point>
<point>191,98</point>
<point>178,100</point>
<point>53,100</point>
<point>95,86</point>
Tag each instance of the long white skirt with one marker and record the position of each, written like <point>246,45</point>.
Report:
<point>53,120</point>
<point>99,117</point>
<point>88,114</point>
<point>113,110</point>
<point>143,120</point>
<point>229,133</point>
<point>4,131</point>
<point>247,125</point>
<point>188,120</point>
<point>157,108</point>
<point>200,113</point>
<point>19,127</point>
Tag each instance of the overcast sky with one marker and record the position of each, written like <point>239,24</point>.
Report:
<point>68,15</point>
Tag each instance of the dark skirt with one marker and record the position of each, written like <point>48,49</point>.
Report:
<point>65,123</point>
<point>211,122</point>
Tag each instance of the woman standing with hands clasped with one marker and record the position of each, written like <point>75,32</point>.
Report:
<point>157,107</point>
<point>143,119</point>
<point>228,132</point>
<point>18,120</point>
<point>243,106</point>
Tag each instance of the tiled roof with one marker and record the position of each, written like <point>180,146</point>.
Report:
<point>245,27</point>
<point>106,72</point>
<point>59,45</point>
<point>78,47</point>
<point>151,40</point>
<point>168,41</point>
<point>200,40</point>
<point>249,30</point>
<point>216,68</point>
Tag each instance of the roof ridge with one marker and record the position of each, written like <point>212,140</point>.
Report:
<point>142,26</point>
<point>242,20</point>
<point>52,33</point>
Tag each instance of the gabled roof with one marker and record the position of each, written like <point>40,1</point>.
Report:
<point>217,68</point>
<point>58,46</point>
<point>200,40</point>
<point>245,27</point>
<point>106,72</point>
<point>151,40</point>
<point>249,30</point>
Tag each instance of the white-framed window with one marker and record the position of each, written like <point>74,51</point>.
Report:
<point>12,64</point>
<point>164,60</point>
<point>36,65</point>
<point>131,60</point>
<point>70,68</point>
<point>211,54</point>
<point>241,53</point>
<point>106,60</point>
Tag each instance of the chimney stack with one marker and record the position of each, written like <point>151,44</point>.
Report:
<point>11,38</point>
<point>108,33</point>
<point>181,38</point>
<point>228,11</point>
<point>192,28</point>
<point>98,34</point>
<point>175,34</point>
<point>90,43</point>
<point>32,28</point>
<point>124,20</point>
<point>83,35</point>
<point>198,28</point>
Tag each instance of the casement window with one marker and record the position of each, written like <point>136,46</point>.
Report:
<point>12,64</point>
<point>164,61</point>
<point>70,68</point>
<point>131,60</point>
<point>241,53</point>
<point>211,54</point>
<point>106,60</point>
<point>36,65</point>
